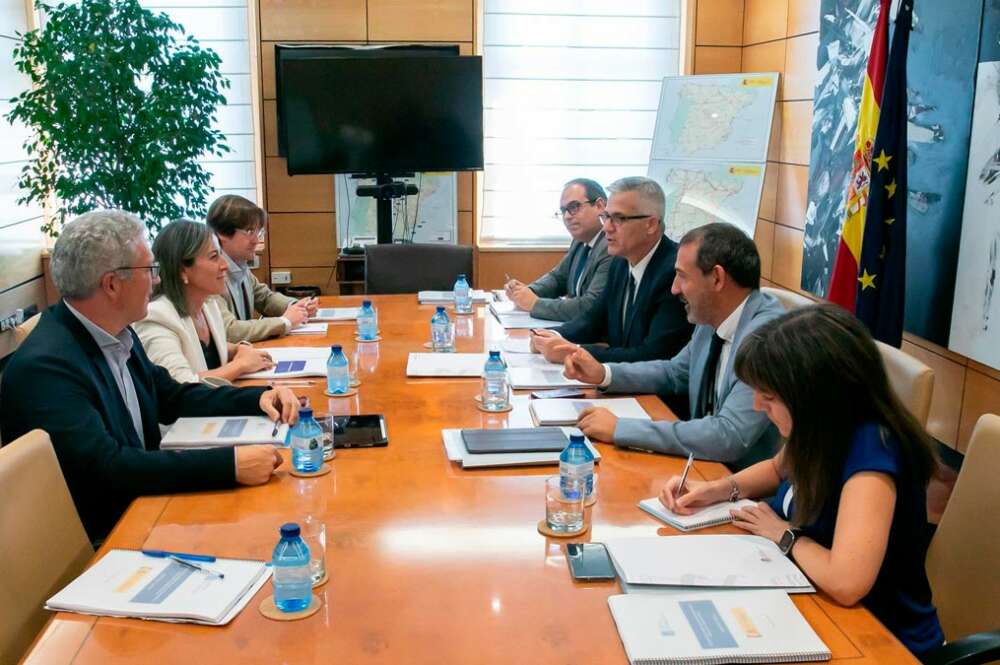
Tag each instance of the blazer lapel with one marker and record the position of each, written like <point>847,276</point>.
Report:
<point>746,316</point>
<point>699,357</point>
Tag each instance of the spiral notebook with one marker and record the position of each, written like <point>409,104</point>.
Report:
<point>720,627</point>
<point>717,513</point>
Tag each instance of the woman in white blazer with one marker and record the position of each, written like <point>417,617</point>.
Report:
<point>183,329</point>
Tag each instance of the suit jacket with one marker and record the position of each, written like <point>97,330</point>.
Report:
<point>736,434</point>
<point>657,325</point>
<point>265,302</point>
<point>171,340</point>
<point>557,298</point>
<point>59,381</point>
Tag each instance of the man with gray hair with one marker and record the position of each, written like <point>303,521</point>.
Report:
<point>83,377</point>
<point>636,317</point>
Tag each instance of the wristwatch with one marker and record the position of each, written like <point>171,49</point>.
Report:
<point>788,540</point>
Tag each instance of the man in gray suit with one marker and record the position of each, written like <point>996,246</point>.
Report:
<point>575,284</point>
<point>718,278</point>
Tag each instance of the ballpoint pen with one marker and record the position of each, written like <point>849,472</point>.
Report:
<point>684,475</point>
<point>197,566</point>
<point>163,554</point>
<point>277,424</point>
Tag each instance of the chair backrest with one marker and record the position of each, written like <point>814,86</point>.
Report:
<point>789,299</point>
<point>963,555</point>
<point>22,331</point>
<point>45,545</point>
<point>412,268</point>
<point>911,380</point>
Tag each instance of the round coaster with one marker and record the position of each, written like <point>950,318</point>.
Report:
<point>479,405</point>
<point>378,338</point>
<point>323,580</point>
<point>352,391</point>
<point>271,611</point>
<point>323,470</point>
<point>543,528</point>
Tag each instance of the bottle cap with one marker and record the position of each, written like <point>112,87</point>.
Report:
<point>494,355</point>
<point>335,348</point>
<point>576,438</point>
<point>440,308</point>
<point>366,303</point>
<point>290,530</point>
<point>461,275</point>
<point>305,412</point>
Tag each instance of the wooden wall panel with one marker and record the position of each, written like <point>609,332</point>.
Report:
<point>786,269</point>
<point>803,17</point>
<point>303,239</point>
<point>796,132</point>
<point>766,57</point>
<point>792,200</point>
<point>323,277</point>
<point>769,195</point>
<point>427,20</point>
<point>465,186</point>
<point>301,193</point>
<point>800,67</point>
<point>20,297</point>
<point>764,239</point>
<point>774,145</point>
<point>270,112</point>
<point>466,232</point>
<point>328,20</point>
<point>981,395</point>
<point>525,266</point>
<point>946,403</point>
<point>716,59</point>
<point>765,20</point>
<point>719,23</point>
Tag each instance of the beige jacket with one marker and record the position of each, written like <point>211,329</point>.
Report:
<point>171,341</point>
<point>266,302</point>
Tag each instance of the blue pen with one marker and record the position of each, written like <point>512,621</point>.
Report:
<point>163,554</point>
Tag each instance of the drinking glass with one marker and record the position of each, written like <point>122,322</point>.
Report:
<point>564,504</point>
<point>313,532</point>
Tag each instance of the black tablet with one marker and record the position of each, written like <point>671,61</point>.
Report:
<point>514,440</point>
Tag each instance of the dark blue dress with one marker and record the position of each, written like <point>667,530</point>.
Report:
<point>901,595</point>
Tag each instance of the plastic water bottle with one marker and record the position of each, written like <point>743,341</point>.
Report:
<point>307,443</point>
<point>292,579</point>
<point>496,394</point>
<point>440,331</point>
<point>463,296</point>
<point>338,373</point>
<point>367,322</point>
<point>576,461</point>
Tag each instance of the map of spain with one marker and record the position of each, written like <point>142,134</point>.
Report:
<point>705,116</point>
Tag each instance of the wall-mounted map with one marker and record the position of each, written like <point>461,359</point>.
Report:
<point>709,148</point>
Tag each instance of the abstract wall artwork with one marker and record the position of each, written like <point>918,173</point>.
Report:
<point>941,71</point>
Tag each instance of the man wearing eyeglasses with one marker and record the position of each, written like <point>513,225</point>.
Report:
<point>636,318</point>
<point>239,225</point>
<point>575,284</point>
<point>82,376</point>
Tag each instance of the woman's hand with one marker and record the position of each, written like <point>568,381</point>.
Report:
<point>761,520</point>
<point>249,359</point>
<point>695,494</point>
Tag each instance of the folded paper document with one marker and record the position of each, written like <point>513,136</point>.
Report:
<point>566,411</point>
<point>294,361</point>
<point>215,432</point>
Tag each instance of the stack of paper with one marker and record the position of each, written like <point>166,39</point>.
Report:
<point>310,329</point>
<point>336,314</point>
<point>294,361</point>
<point>448,297</point>
<point>516,345</point>
<point>722,627</point>
<point>718,513</point>
<point>215,432</point>
<point>705,561</point>
<point>126,583</point>
<point>520,319</point>
<point>531,378</point>
<point>467,364</point>
<point>504,306</point>
<point>566,411</point>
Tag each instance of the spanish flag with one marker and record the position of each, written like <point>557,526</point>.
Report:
<point>881,281</point>
<point>844,280</point>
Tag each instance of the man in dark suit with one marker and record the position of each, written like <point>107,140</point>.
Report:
<point>83,377</point>
<point>637,317</point>
<point>575,284</point>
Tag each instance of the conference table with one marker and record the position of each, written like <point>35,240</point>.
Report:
<point>428,562</point>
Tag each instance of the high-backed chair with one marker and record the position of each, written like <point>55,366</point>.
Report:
<point>412,268</point>
<point>911,380</point>
<point>789,299</point>
<point>964,553</point>
<point>45,545</point>
<point>22,331</point>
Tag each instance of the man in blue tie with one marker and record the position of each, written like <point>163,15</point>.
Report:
<point>577,282</point>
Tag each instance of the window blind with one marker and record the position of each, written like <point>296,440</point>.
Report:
<point>571,89</point>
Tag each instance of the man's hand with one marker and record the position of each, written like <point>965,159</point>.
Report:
<point>296,313</point>
<point>256,464</point>
<point>523,297</point>
<point>540,340</point>
<point>280,403</point>
<point>582,366</point>
<point>511,286</point>
<point>311,305</point>
<point>558,352</point>
<point>598,423</point>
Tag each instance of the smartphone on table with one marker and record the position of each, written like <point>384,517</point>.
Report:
<point>589,561</point>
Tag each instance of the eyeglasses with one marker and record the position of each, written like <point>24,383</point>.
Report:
<point>608,218</point>
<point>250,233</point>
<point>573,207</point>
<point>154,269</point>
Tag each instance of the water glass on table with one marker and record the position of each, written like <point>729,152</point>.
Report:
<point>564,504</point>
<point>313,534</point>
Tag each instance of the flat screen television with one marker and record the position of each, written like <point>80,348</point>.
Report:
<point>397,112</point>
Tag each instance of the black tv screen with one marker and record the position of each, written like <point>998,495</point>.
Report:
<point>392,114</point>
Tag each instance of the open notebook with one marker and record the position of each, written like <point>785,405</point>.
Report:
<point>566,411</point>
<point>214,432</point>
<point>717,513</point>
<point>722,627</point>
<point>127,583</point>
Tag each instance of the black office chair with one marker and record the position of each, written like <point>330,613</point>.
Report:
<point>415,267</point>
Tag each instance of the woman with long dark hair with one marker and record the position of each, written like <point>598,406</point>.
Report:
<point>849,485</point>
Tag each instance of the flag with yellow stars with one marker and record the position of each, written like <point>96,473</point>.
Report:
<point>881,277</point>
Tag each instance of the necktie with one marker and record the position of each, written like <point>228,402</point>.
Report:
<point>706,393</point>
<point>629,295</point>
<point>246,301</point>
<point>578,273</point>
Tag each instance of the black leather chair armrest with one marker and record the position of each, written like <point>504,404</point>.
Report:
<point>971,650</point>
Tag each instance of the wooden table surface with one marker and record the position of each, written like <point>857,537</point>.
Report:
<point>428,563</point>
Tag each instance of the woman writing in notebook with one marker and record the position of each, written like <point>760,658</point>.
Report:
<point>849,485</point>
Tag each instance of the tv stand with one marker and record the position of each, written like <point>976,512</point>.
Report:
<point>384,191</point>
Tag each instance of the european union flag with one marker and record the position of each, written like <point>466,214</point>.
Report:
<point>882,268</point>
